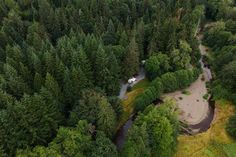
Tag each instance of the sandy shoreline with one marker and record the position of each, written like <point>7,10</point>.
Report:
<point>193,108</point>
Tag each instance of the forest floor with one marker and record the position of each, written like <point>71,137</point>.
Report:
<point>213,143</point>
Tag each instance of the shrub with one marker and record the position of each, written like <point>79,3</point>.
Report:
<point>169,82</point>
<point>182,78</point>
<point>186,92</point>
<point>231,126</point>
<point>206,96</point>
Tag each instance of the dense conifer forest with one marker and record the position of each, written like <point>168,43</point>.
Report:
<point>62,63</point>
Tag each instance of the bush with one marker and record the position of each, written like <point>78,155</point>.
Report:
<point>206,96</point>
<point>186,92</point>
<point>231,126</point>
<point>169,82</point>
<point>158,86</point>
<point>182,78</point>
<point>146,98</point>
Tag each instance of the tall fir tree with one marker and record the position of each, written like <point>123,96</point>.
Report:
<point>131,61</point>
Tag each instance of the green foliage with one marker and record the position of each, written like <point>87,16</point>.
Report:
<point>95,108</point>
<point>230,127</point>
<point>103,147</point>
<point>106,120</point>
<point>216,9</point>
<point>32,120</point>
<point>206,96</point>
<point>153,133</point>
<point>141,84</point>
<point>157,65</point>
<point>131,61</point>
<point>74,142</point>
<point>137,144</point>
<point>221,38</point>
<point>230,149</point>
<point>168,82</point>
<point>181,57</point>
<point>186,92</point>
<point>116,105</point>
<point>55,54</point>
<point>217,37</point>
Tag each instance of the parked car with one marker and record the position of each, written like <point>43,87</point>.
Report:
<point>132,80</point>
<point>143,62</point>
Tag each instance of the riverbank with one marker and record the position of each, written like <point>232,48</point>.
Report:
<point>212,142</point>
<point>194,107</point>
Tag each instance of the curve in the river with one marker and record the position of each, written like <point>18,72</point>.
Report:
<point>205,124</point>
<point>208,109</point>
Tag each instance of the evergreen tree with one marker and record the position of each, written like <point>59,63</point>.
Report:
<point>101,70</point>
<point>124,40</point>
<point>131,61</point>
<point>79,82</point>
<point>110,36</point>
<point>38,82</point>
<point>113,84</point>
<point>106,120</point>
<point>52,86</point>
<point>137,144</point>
<point>5,100</point>
<point>15,85</point>
<point>140,38</point>
<point>103,147</point>
<point>32,120</point>
<point>35,36</point>
<point>80,59</point>
<point>13,27</point>
<point>67,89</point>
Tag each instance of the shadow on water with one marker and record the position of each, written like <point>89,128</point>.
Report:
<point>205,124</point>
<point>122,133</point>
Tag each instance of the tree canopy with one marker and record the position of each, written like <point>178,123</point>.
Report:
<point>62,63</point>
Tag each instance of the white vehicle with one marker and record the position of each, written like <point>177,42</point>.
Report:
<point>143,62</point>
<point>132,80</point>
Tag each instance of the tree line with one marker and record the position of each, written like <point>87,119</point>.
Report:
<point>168,82</point>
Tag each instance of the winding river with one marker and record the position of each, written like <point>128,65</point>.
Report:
<point>194,110</point>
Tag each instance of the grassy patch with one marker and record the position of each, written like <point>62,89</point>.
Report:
<point>212,142</point>
<point>128,105</point>
<point>230,150</point>
<point>141,84</point>
<point>185,92</point>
